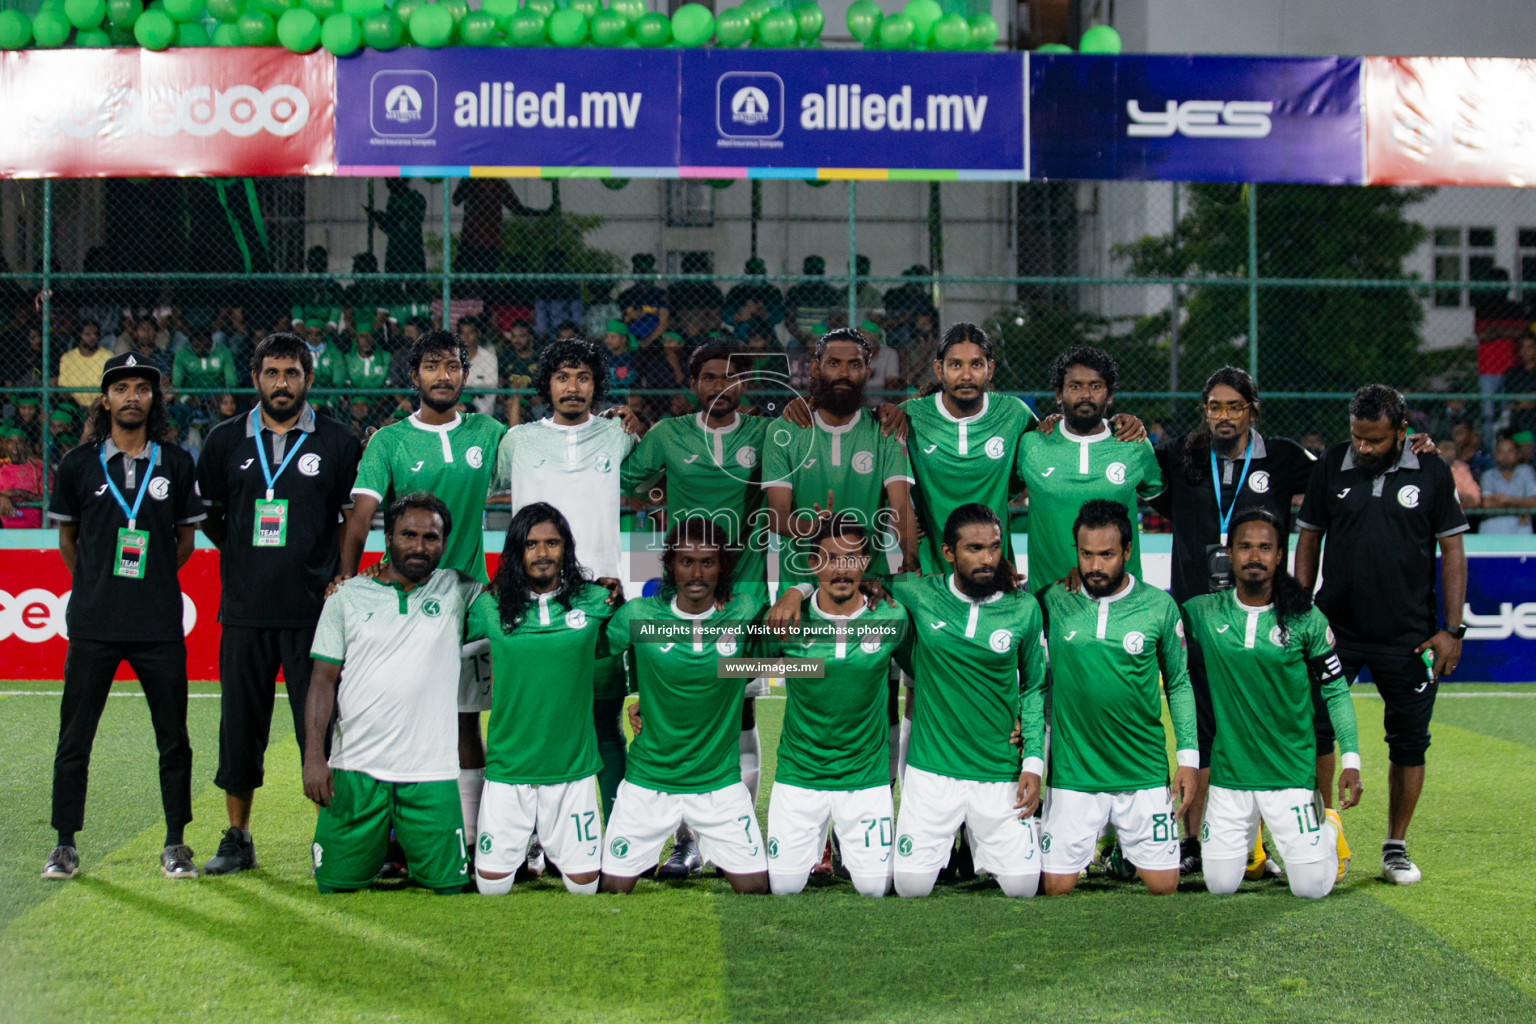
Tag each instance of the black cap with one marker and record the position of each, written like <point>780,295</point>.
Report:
<point>128,365</point>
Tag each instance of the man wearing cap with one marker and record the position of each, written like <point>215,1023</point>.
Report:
<point>126,504</point>
<point>753,301</point>
<point>21,481</point>
<point>812,302</point>
<point>61,437</point>
<point>82,365</point>
<point>643,305</point>
<point>623,373</point>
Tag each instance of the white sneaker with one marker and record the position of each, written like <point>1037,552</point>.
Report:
<point>1397,868</point>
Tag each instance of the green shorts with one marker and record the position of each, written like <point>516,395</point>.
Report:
<point>351,835</point>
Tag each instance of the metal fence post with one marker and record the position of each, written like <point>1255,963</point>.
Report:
<point>47,406</point>
<point>447,253</point>
<point>1253,281</point>
<point>853,277</point>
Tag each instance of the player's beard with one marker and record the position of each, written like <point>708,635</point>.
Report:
<point>436,404</point>
<point>282,416</point>
<point>416,569</point>
<point>1375,465</point>
<point>839,401</point>
<point>967,406</point>
<point>1082,422</point>
<point>1097,590</point>
<point>979,589</point>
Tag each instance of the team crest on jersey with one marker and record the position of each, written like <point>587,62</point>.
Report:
<point>576,619</point>
<point>727,645</point>
<point>863,463</point>
<point>1135,642</point>
<point>620,847</point>
<point>1258,483</point>
<point>485,842</point>
<point>159,488</point>
<point>309,464</point>
<point>1408,496</point>
<point>1275,637</point>
<point>1328,632</point>
<point>602,463</point>
<point>1045,842</point>
<point>870,644</point>
<point>996,447</point>
<point>431,608</point>
<point>746,456</point>
<point>475,457</point>
<point>1115,472</point>
<point>1000,640</point>
<point>773,848</point>
<point>1205,832</point>
<point>904,846</point>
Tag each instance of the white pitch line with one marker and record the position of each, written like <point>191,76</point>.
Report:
<point>58,693</point>
<point>1446,696</point>
<point>775,696</point>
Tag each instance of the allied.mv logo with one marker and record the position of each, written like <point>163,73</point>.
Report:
<point>749,105</point>
<point>403,103</point>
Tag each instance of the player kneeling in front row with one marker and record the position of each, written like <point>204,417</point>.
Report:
<point>1263,642</point>
<point>395,753</point>
<point>1109,644</point>
<point>545,620</point>
<point>834,751</point>
<point>684,764</point>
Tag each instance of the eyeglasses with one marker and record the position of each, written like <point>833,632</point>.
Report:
<point>1225,410</point>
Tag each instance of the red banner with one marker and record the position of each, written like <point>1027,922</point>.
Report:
<point>235,112</point>
<point>1449,121</point>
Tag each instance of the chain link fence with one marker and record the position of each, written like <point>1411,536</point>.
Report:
<point>1316,290</point>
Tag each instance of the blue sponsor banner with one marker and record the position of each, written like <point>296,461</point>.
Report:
<point>1185,118</point>
<point>509,108</point>
<point>897,111</point>
<point>1500,613</point>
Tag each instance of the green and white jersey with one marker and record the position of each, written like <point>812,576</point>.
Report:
<point>1260,679</point>
<point>690,717</point>
<point>855,462</point>
<point>396,708</point>
<point>715,473</point>
<point>957,460</point>
<point>1108,655</point>
<point>1062,471</point>
<point>452,460</point>
<point>835,732</point>
<point>541,731</point>
<point>575,469</point>
<point>977,666</point>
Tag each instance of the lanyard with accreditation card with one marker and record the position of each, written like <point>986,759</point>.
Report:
<point>270,524</point>
<point>1218,562</point>
<point>132,543</point>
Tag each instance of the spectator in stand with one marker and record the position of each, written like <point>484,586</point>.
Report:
<point>1469,448</point>
<point>698,304</point>
<point>81,366</point>
<point>226,407</point>
<point>173,435</point>
<point>1509,487</point>
<point>600,310</point>
<point>1498,322</point>
<point>319,300</point>
<point>811,302</point>
<point>559,298</point>
<point>228,329</point>
<point>400,221</point>
<point>1520,379</point>
<point>202,364</point>
<point>643,305</point>
<point>1455,412</point>
<point>519,365</point>
<point>28,421</point>
<point>146,346</point>
<point>23,362</point>
<point>360,418</point>
<point>481,373</point>
<point>621,366</point>
<point>567,330</point>
<point>903,305</point>
<point>1467,490</point>
<point>869,300</point>
<point>884,365</point>
<point>21,483</point>
<point>663,367</point>
<point>753,301</point>
<point>483,200</point>
<point>330,371</point>
<point>514,301</point>
<point>63,434</point>
<point>1525,444</point>
<point>1314,442</point>
<point>367,366</point>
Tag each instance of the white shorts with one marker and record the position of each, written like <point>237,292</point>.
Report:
<point>757,687</point>
<point>1143,820</point>
<point>563,814</point>
<point>797,828</point>
<point>1294,816</point>
<point>723,820</point>
<point>475,677</point>
<point>933,806</point>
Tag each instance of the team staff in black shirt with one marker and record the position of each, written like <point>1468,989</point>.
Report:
<point>277,483</point>
<point>126,504</point>
<point>1384,511</point>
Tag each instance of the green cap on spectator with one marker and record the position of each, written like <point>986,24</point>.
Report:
<point>617,327</point>
<point>61,416</point>
<point>819,329</point>
<point>20,402</point>
<point>870,327</point>
<point>673,336</point>
<point>315,321</point>
<point>1523,437</point>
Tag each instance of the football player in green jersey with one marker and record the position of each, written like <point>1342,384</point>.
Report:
<point>1110,642</point>
<point>1264,644</point>
<point>1083,458</point>
<point>451,455</point>
<point>683,765</point>
<point>832,757</point>
<point>710,464</point>
<point>544,618</point>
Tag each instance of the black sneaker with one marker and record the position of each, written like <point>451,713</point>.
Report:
<point>236,853</point>
<point>176,862</point>
<point>684,861</point>
<point>63,862</point>
<point>1189,857</point>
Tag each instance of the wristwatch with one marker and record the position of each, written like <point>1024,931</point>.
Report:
<point>1459,631</point>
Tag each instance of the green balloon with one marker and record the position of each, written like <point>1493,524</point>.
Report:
<point>653,29</point>
<point>277,8</point>
<point>1054,48</point>
<point>382,30</point>
<point>609,28</point>
<point>15,30</point>
<point>951,32</point>
<point>121,36</point>
<point>85,13</point>
<point>360,9</point>
<point>226,11</point>
<point>567,27</point>
<point>256,28</point>
<point>122,13</point>
<point>692,25</point>
<point>544,7</point>
<point>154,30</point>
<point>403,10</point>
<point>227,35</point>
<point>431,26</point>
<point>777,29</point>
<point>810,21</point>
<point>983,32</point>
<point>93,38</point>
<point>632,10</point>
<point>50,28</point>
<point>756,9</point>
<point>341,34</point>
<point>587,7</point>
<point>457,8</point>
<point>299,30</point>
<point>194,33</point>
<point>733,26</point>
<point>323,9</point>
<point>478,29</point>
<point>183,11</point>
<point>896,32</point>
<point>1099,39</point>
<point>501,10</point>
<point>864,17</point>
<point>924,14</point>
<point>526,28</point>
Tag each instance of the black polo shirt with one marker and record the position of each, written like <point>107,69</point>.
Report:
<point>1379,565</point>
<point>107,607</point>
<point>1279,469</point>
<point>278,587</point>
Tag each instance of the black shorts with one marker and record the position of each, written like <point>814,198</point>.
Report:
<point>248,662</point>
<point>1407,692</point>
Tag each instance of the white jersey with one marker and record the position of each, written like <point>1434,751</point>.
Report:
<point>575,469</point>
<point>397,701</point>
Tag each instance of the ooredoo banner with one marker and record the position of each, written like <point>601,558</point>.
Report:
<point>248,111</point>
